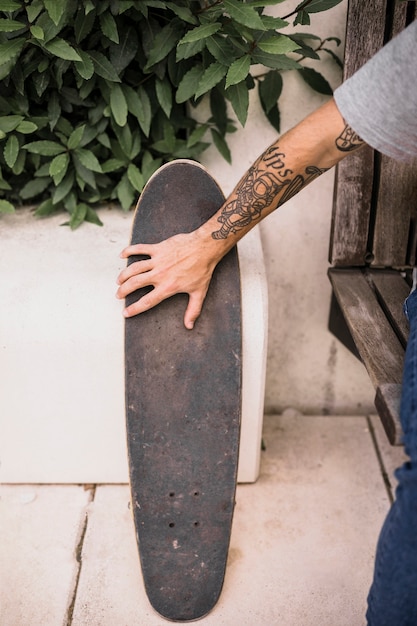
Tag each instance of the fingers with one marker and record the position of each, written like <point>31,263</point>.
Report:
<point>139,248</point>
<point>143,304</point>
<point>194,308</point>
<point>137,270</point>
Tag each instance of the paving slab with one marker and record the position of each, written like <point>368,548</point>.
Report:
<point>303,538</point>
<point>40,528</point>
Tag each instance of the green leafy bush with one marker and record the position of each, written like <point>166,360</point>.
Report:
<point>96,94</point>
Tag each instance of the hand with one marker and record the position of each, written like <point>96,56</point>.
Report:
<point>180,264</point>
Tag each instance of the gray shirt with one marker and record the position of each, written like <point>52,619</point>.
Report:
<point>379,102</point>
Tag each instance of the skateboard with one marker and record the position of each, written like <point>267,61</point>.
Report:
<point>183,405</point>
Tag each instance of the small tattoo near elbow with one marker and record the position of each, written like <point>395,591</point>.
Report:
<point>348,140</point>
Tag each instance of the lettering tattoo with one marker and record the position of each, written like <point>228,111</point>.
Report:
<point>348,140</point>
<point>258,190</point>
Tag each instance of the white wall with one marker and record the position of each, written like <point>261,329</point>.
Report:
<point>308,368</point>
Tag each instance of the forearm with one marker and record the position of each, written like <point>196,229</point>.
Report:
<point>185,263</point>
<point>285,168</point>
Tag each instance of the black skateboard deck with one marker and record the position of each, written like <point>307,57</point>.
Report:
<point>183,405</point>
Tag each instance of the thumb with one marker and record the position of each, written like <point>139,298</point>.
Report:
<point>195,305</point>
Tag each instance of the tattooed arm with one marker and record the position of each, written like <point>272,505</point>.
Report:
<point>185,263</point>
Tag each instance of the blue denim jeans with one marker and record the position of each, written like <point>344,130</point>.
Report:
<point>392,599</point>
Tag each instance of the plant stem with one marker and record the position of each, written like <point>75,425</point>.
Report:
<point>300,8</point>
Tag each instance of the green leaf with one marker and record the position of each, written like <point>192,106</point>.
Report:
<point>189,83</point>
<point>112,165</point>
<point>125,193</point>
<point>277,44</point>
<point>60,48</point>
<point>37,32</point>
<point>103,67</point>
<point>302,18</point>
<point>109,26</point>
<point>9,5</point>
<point>83,24</point>
<point>6,207</point>
<point>78,216</point>
<point>33,9</point>
<point>201,32</point>
<point>183,12</point>
<point>19,166</point>
<point>316,81</point>
<point>221,49</point>
<point>26,128</point>
<point>221,145</point>
<point>88,159</point>
<point>118,105</point>
<point>10,122</point>
<point>45,148</point>
<point>4,185</point>
<point>92,217</point>
<point>63,189</point>
<point>334,57</point>
<point>270,90</point>
<point>239,99</point>
<point>238,71</point>
<point>125,141</point>
<point>316,6</point>
<point>75,137</point>
<point>197,135</point>
<point>11,150</point>
<point>273,23</point>
<point>11,49</point>
<point>85,67</point>
<point>124,52</point>
<point>55,9</point>
<point>45,208</point>
<point>163,90</point>
<point>163,43</point>
<point>244,14</point>
<point>187,50</point>
<point>10,26</point>
<point>274,61</point>
<point>139,105</point>
<point>167,144</point>
<point>34,187</point>
<point>54,110</point>
<point>211,77</point>
<point>274,117</point>
<point>218,109</point>
<point>58,167</point>
<point>135,177</point>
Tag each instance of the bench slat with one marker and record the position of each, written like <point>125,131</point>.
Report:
<point>378,345</point>
<point>354,176</point>
<point>397,199</point>
<point>387,403</point>
<point>392,290</point>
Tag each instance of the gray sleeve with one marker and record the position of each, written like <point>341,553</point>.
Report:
<point>379,102</point>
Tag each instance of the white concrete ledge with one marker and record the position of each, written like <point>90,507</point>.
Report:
<point>61,351</point>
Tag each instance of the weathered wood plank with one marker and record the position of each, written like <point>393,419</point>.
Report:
<point>377,343</point>
<point>354,175</point>
<point>365,31</point>
<point>397,199</point>
<point>387,403</point>
<point>392,290</point>
<point>351,209</point>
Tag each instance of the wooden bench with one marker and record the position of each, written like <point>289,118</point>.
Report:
<point>373,232</point>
